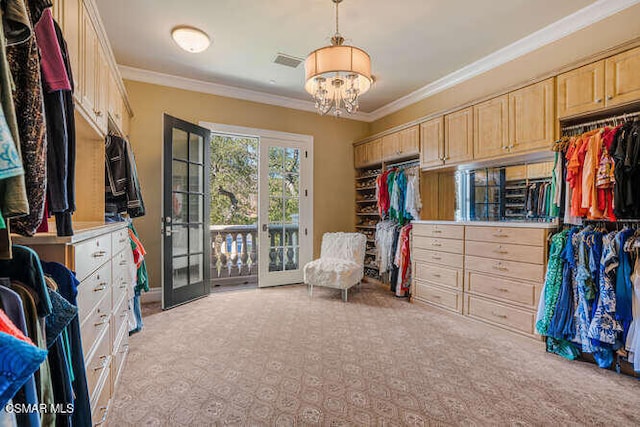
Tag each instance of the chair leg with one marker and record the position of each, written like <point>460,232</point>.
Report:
<point>344,294</point>
<point>310,290</point>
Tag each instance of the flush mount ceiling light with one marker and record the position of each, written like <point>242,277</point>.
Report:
<point>191,39</point>
<point>337,75</point>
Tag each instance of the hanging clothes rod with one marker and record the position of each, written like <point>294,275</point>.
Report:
<point>408,163</point>
<point>622,117</point>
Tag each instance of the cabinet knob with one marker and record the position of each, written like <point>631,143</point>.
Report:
<point>609,97</point>
<point>598,101</point>
<point>98,113</point>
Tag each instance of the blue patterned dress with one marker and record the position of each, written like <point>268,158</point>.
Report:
<point>604,326</point>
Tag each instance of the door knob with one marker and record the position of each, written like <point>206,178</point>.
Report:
<point>264,227</point>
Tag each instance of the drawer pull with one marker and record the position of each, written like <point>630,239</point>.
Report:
<point>437,258</point>
<point>501,316</point>
<point>436,244</point>
<point>436,275</point>
<point>501,235</point>
<point>99,254</point>
<point>501,251</point>
<point>436,296</point>
<point>104,416</point>
<point>500,267</point>
<point>123,262</point>
<point>104,321</point>
<point>105,362</point>
<point>503,289</point>
<point>125,347</point>
<point>123,285</point>
<point>122,240</point>
<point>124,314</point>
<point>436,231</point>
<point>101,287</point>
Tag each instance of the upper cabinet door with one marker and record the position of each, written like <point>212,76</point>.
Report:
<point>374,151</point>
<point>90,65</point>
<point>491,128</point>
<point>581,90</point>
<point>623,77</point>
<point>71,25</point>
<point>458,136</point>
<point>360,155</point>
<point>432,143</point>
<point>531,117</point>
<point>390,146</point>
<point>409,143</point>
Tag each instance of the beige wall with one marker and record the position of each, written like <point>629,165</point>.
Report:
<point>333,157</point>
<point>606,34</point>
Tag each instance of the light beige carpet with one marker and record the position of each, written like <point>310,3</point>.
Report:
<point>276,357</point>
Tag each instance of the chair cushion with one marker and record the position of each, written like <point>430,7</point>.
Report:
<point>350,246</point>
<point>333,273</point>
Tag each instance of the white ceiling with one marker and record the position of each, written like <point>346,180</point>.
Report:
<point>411,42</point>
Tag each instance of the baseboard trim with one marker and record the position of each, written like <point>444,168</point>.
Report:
<point>154,295</point>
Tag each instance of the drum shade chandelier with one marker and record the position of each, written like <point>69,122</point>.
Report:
<point>337,75</point>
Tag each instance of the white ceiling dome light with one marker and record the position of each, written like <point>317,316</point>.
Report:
<point>191,39</point>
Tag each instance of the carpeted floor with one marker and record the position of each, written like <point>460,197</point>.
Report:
<point>276,357</point>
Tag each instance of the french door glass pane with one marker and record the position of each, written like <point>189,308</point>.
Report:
<point>275,259</point>
<point>275,184</point>
<point>291,258</point>
<point>195,178</point>
<point>291,184</point>
<point>179,202</point>
<point>196,238</point>
<point>180,239</point>
<point>196,206</point>
<point>180,146</point>
<point>195,148</point>
<point>196,265</point>
<point>180,271</point>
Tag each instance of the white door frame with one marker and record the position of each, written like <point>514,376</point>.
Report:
<point>284,139</point>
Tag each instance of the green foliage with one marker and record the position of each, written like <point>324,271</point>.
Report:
<point>234,180</point>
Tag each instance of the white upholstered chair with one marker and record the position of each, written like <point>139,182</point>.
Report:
<point>341,262</point>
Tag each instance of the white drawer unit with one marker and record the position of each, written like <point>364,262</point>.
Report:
<point>101,257</point>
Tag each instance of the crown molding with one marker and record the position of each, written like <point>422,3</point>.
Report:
<point>154,77</point>
<point>564,27</point>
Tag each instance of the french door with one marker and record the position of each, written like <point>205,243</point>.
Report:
<point>185,224</point>
<point>285,209</point>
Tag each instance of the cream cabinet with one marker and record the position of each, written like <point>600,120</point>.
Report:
<point>504,275</point>
<point>401,144</point>
<point>103,262</point>
<point>623,78</point>
<point>97,90</point>
<point>458,136</point>
<point>532,117</point>
<point>374,152</point>
<point>606,83</point>
<point>581,90</point>
<point>89,74</point>
<point>493,274</point>
<point>491,128</point>
<point>367,154</point>
<point>360,156</point>
<point>438,265</point>
<point>432,143</point>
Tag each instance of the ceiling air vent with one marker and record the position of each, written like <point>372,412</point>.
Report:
<point>287,60</point>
